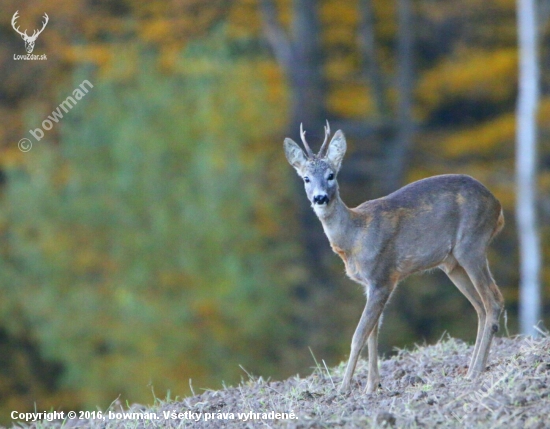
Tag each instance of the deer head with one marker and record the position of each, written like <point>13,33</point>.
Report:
<point>318,170</point>
<point>29,40</point>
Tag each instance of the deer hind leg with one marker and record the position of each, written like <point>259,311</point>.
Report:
<point>459,277</point>
<point>377,298</point>
<point>480,275</point>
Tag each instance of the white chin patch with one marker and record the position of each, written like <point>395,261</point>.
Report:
<point>319,208</point>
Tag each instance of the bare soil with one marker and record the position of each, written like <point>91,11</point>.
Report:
<point>421,388</point>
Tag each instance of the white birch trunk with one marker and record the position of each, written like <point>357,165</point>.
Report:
<point>526,168</point>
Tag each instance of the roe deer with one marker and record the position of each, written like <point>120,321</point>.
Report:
<point>443,221</point>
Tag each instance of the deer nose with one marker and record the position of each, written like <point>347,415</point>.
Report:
<point>320,199</point>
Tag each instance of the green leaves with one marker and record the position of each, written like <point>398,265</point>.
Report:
<point>141,256</point>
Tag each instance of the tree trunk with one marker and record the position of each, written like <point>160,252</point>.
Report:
<point>526,150</point>
<point>300,56</point>
<point>370,58</point>
<point>400,149</point>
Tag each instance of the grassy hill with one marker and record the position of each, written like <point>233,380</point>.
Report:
<point>424,387</point>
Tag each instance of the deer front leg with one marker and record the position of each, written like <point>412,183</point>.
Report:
<point>377,298</point>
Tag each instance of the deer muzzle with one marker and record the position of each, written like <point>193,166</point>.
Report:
<point>320,199</point>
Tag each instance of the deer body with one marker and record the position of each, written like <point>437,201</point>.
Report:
<point>443,221</point>
<point>413,229</point>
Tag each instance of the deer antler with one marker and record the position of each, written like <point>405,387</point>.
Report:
<point>327,135</point>
<point>36,33</point>
<point>24,35</point>
<point>13,24</point>
<point>303,137</point>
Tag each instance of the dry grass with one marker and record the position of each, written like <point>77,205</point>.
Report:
<point>422,388</point>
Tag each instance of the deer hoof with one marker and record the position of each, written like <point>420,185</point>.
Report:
<point>372,387</point>
<point>344,388</point>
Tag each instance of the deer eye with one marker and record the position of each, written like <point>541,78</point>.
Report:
<point>306,179</point>
<point>330,176</point>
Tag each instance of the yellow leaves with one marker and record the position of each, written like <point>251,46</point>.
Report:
<point>12,156</point>
<point>265,222</point>
<point>98,54</point>
<point>244,19</point>
<point>386,22</point>
<point>504,191</point>
<point>483,139</point>
<point>544,181</point>
<point>420,173</point>
<point>544,112</point>
<point>339,35</point>
<point>156,31</point>
<point>342,11</point>
<point>350,100</point>
<point>503,4</point>
<point>285,11</point>
<point>62,176</point>
<point>168,58</point>
<point>274,80</point>
<point>341,68</point>
<point>489,75</point>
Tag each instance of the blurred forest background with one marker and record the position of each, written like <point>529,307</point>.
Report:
<point>157,234</point>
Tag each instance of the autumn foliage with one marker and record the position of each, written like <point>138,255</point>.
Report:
<point>156,234</point>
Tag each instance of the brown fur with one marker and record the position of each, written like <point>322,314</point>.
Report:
<point>442,221</point>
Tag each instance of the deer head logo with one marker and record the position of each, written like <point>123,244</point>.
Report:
<point>29,40</point>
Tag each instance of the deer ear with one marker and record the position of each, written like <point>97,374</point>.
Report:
<point>336,149</point>
<point>295,155</point>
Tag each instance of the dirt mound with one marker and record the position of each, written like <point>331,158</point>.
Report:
<point>424,387</point>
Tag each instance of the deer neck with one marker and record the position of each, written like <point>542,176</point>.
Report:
<point>336,221</point>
